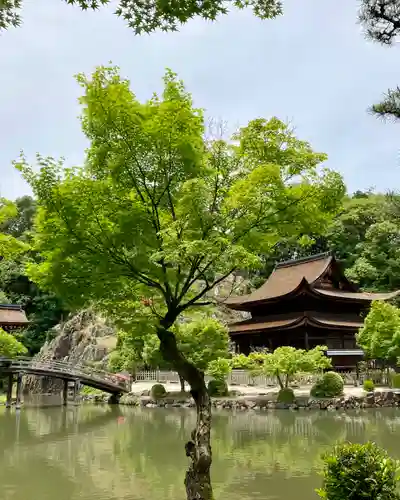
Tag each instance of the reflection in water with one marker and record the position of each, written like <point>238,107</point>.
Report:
<point>104,453</point>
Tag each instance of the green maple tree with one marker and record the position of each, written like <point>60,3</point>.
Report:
<point>158,216</point>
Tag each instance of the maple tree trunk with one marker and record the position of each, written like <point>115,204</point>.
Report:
<point>198,449</point>
<point>198,479</point>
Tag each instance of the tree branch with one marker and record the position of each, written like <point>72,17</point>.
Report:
<point>205,290</point>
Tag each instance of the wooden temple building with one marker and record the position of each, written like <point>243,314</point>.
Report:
<point>305,303</point>
<point>12,317</point>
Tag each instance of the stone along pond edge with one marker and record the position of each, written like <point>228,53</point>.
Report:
<point>387,399</point>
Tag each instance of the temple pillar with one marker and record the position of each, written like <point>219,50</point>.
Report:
<point>306,343</point>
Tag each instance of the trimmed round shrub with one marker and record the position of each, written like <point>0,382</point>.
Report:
<point>369,386</point>
<point>158,391</point>
<point>217,388</point>
<point>354,471</point>
<point>329,385</point>
<point>286,395</point>
<point>396,380</point>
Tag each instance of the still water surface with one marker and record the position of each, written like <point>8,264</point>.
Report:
<point>100,453</point>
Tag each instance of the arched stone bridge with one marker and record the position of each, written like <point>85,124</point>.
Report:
<point>76,373</point>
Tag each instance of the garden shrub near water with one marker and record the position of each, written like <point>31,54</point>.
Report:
<point>217,388</point>
<point>91,391</point>
<point>358,471</point>
<point>396,380</point>
<point>329,385</point>
<point>369,385</point>
<point>158,391</point>
<point>286,395</point>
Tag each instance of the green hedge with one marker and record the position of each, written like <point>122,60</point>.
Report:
<point>329,385</point>
<point>359,471</point>
<point>158,391</point>
<point>217,388</point>
<point>286,395</point>
<point>368,385</point>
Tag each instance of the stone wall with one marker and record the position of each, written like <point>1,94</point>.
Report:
<point>387,399</point>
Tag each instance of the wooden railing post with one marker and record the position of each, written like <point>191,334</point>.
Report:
<point>65,392</point>
<point>9,390</point>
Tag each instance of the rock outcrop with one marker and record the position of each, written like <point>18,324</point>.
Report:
<point>83,338</point>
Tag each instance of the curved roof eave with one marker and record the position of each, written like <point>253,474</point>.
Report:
<point>355,296</point>
<point>254,327</point>
<point>331,323</point>
<point>245,305</point>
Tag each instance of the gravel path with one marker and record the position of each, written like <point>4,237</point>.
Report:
<point>139,387</point>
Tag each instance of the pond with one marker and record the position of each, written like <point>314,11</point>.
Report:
<point>102,453</point>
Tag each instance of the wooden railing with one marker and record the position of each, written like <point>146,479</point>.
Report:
<point>75,371</point>
<point>242,377</point>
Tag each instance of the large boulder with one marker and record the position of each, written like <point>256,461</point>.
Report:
<point>84,338</point>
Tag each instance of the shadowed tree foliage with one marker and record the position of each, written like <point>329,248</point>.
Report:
<point>9,246</point>
<point>381,20</point>
<point>145,16</point>
<point>365,237</point>
<point>44,309</point>
<point>20,224</point>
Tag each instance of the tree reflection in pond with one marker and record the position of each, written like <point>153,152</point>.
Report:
<point>92,453</point>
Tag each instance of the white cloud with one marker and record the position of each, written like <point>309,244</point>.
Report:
<point>311,66</point>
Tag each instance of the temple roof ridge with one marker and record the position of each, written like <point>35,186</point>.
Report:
<point>306,275</point>
<point>303,260</point>
<point>15,307</point>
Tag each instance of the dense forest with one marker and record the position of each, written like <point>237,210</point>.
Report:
<point>365,237</point>
<point>44,309</point>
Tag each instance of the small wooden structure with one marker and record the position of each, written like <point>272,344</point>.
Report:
<point>72,374</point>
<point>304,303</point>
<point>12,317</point>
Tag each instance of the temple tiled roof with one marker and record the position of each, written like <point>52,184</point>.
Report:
<point>285,321</point>
<point>11,314</point>
<point>293,276</point>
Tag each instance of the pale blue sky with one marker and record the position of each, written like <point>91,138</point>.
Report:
<point>312,67</point>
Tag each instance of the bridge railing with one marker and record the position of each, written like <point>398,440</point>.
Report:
<point>77,370</point>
